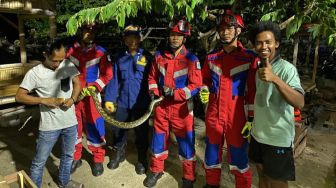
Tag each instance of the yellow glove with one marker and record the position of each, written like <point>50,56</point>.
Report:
<point>87,91</point>
<point>204,95</point>
<point>246,131</point>
<point>110,106</point>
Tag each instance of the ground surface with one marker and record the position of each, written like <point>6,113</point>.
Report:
<point>315,168</point>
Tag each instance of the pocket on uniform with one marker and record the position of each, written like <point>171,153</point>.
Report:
<point>65,84</point>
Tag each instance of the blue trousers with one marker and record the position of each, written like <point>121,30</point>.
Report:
<point>45,143</point>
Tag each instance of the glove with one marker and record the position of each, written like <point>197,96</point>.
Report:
<point>167,91</point>
<point>204,95</point>
<point>110,106</point>
<point>246,131</point>
<point>87,91</point>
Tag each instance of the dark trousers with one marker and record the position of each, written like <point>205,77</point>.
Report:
<point>141,132</point>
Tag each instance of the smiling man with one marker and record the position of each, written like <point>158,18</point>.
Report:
<point>57,85</point>
<point>278,91</point>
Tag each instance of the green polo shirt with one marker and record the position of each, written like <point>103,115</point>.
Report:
<point>273,116</point>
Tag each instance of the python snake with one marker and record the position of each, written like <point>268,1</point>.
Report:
<point>123,125</point>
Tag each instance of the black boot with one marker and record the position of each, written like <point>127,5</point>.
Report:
<point>152,178</point>
<point>75,164</point>
<point>141,168</point>
<point>119,157</point>
<point>211,186</point>
<point>187,183</point>
<point>97,169</point>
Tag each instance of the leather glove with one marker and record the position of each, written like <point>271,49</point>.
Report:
<point>167,91</point>
<point>110,106</point>
<point>87,91</point>
<point>246,131</point>
<point>204,95</point>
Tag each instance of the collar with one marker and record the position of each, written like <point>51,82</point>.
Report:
<point>139,52</point>
<point>90,48</point>
<point>275,59</point>
<point>170,55</point>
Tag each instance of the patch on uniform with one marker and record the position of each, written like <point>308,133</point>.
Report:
<point>198,65</point>
<point>142,61</point>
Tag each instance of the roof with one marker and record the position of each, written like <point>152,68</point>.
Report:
<point>42,7</point>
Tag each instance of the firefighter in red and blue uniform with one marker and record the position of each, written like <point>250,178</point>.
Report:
<point>95,73</point>
<point>229,76</point>
<point>176,75</point>
<point>128,90</point>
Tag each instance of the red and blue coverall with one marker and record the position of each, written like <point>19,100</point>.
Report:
<point>183,74</point>
<point>96,71</point>
<point>230,78</point>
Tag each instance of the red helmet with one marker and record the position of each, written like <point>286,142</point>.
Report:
<point>230,19</point>
<point>180,26</point>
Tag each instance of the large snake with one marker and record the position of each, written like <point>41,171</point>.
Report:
<point>123,125</point>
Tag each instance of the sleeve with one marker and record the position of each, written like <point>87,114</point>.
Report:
<point>206,74</point>
<point>293,80</point>
<point>153,78</point>
<point>251,87</point>
<point>194,81</point>
<point>29,82</point>
<point>111,92</point>
<point>72,70</point>
<point>105,73</point>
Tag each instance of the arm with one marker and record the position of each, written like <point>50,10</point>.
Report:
<point>105,74</point>
<point>153,79</point>
<point>75,92</point>
<point>292,96</point>
<point>23,97</point>
<point>251,88</point>
<point>194,82</point>
<point>112,87</point>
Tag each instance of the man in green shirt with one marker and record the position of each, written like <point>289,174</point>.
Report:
<point>278,92</point>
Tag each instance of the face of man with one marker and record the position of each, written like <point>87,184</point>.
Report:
<point>132,42</point>
<point>53,60</point>
<point>176,39</point>
<point>88,35</point>
<point>228,33</point>
<point>265,45</point>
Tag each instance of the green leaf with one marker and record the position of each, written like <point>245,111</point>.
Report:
<point>189,12</point>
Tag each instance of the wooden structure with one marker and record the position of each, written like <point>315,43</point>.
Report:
<point>300,139</point>
<point>11,74</point>
<point>20,178</point>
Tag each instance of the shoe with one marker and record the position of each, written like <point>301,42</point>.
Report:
<point>152,178</point>
<point>140,168</point>
<point>73,184</point>
<point>211,186</point>
<point>119,157</point>
<point>97,169</point>
<point>187,183</point>
<point>75,164</point>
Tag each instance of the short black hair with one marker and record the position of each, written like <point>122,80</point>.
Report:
<point>54,44</point>
<point>265,26</point>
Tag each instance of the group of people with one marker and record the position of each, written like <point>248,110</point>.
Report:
<point>244,92</point>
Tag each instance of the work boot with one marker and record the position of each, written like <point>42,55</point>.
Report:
<point>211,186</point>
<point>152,178</point>
<point>97,169</point>
<point>75,164</point>
<point>119,157</point>
<point>187,183</point>
<point>141,168</point>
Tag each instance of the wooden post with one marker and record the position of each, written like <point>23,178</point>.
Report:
<point>296,49</point>
<point>316,59</point>
<point>52,27</point>
<point>308,51</point>
<point>23,53</point>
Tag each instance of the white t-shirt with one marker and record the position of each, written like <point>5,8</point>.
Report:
<point>53,83</point>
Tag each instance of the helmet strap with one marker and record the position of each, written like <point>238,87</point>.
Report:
<point>231,41</point>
